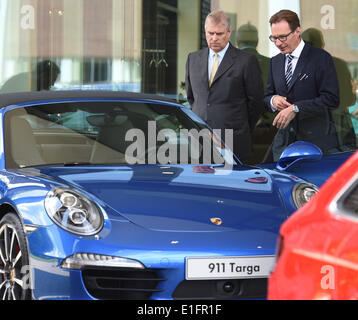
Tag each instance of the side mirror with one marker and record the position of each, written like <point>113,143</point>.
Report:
<point>296,152</point>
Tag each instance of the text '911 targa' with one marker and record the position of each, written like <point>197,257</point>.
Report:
<point>123,196</point>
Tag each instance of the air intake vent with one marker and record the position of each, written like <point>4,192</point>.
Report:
<point>125,284</point>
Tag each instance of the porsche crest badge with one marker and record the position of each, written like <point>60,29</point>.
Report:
<point>216,221</point>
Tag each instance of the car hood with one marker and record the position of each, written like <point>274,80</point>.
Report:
<point>183,198</point>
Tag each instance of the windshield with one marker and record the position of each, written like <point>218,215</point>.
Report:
<point>129,133</point>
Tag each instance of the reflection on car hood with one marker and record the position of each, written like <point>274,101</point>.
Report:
<point>183,198</point>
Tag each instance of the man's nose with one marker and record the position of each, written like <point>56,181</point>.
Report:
<point>215,36</point>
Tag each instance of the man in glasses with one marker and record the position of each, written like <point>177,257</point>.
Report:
<point>302,88</point>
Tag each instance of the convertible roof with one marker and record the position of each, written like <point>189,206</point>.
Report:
<point>8,99</point>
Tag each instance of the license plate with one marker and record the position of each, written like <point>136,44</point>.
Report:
<point>229,267</point>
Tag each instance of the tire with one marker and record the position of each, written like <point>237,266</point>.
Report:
<point>14,260</point>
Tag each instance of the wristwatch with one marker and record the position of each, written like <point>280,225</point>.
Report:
<point>296,109</point>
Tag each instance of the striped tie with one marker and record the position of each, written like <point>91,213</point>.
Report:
<point>288,75</point>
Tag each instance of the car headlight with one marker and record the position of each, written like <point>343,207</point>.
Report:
<point>302,193</point>
<point>73,212</point>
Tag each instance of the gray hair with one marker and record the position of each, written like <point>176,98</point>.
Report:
<point>217,17</point>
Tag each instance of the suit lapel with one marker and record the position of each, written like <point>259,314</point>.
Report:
<point>204,56</point>
<point>281,74</point>
<point>225,64</point>
<point>300,66</point>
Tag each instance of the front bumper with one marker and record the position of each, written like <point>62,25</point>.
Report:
<point>139,284</point>
<point>156,273</point>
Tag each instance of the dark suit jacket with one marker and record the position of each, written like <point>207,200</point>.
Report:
<point>235,99</point>
<point>314,89</point>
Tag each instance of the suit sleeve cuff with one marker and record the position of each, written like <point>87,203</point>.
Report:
<point>271,104</point>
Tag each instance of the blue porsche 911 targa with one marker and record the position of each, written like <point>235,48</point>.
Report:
<point>111,196</point>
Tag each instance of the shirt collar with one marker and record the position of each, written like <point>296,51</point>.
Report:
<point>220,53</point>
<point>297,52</point>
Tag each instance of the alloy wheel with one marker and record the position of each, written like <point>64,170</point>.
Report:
<point>11,283</point>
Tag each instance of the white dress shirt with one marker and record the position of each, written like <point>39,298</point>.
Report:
<point>211,58</point>
<point>296,55</point>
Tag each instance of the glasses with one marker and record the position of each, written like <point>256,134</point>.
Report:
<point>282,38</point>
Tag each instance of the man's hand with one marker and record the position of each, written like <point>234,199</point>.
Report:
<point>284,117</point>
<point>280,103</point>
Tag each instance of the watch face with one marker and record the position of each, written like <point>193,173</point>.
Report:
<point>295,109</point>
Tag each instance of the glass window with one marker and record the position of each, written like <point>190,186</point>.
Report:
<point>142,46</point>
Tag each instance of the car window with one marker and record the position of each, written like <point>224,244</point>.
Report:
<point>108,133</point>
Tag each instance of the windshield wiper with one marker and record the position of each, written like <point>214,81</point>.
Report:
<point>64,164</point>
<point>73,164</point>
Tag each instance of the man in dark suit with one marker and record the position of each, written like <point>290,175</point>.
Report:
<point>302,87</point>
<point>224,85</point>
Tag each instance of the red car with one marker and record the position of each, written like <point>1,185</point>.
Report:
<point>317,253</point>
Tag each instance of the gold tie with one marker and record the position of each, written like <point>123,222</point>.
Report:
<point>214,69</point>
